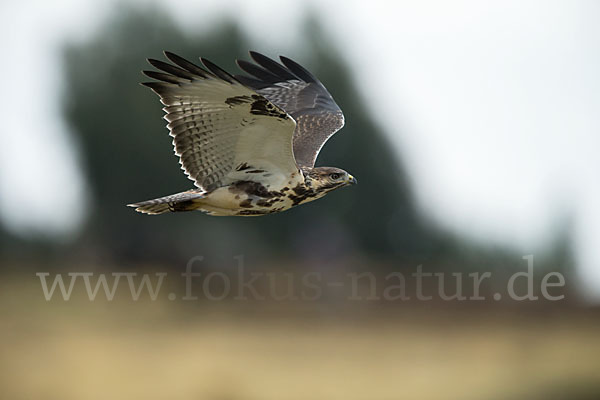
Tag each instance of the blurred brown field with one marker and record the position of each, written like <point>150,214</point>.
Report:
<point>122,349</point>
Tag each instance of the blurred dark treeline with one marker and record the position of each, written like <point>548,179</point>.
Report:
<point>127,156</point>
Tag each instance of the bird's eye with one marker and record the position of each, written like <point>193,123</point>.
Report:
<point>334,176</point>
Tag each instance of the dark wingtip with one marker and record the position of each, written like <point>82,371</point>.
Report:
<point>258,72</point>
<point>260,58</point>
<point>255,54</point>
<point>153,61</point>
<point>185,64</point>
<point>272,66</point>
<point>172,69</point>
<point>161,76</point>
<point>217,71</point>
<point>148,73</point>
<point>298,69</point>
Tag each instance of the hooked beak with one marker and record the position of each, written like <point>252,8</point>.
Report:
<point>352,180</point>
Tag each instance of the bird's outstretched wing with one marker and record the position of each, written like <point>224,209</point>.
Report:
<point>295,90</point>
<point>219,126</point>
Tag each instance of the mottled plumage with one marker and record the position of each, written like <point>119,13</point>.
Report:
<point>249,143</point>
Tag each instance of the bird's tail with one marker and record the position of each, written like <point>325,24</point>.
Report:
<point>183,201</point>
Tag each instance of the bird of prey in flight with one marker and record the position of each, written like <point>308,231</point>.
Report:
<point>249,143</point>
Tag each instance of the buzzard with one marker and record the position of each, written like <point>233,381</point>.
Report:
<point>249,143</point>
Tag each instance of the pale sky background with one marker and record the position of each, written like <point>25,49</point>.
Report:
<point>494,107</point>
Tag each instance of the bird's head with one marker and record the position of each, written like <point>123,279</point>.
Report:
<point>325,179</point>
